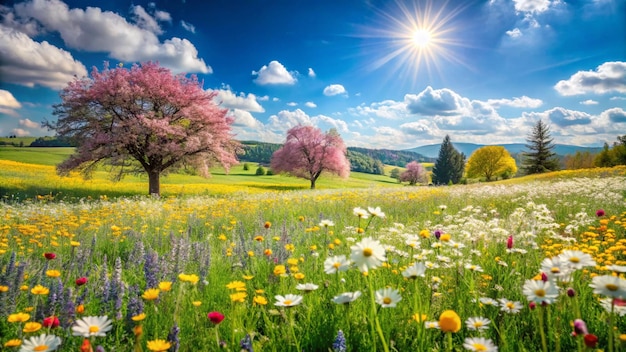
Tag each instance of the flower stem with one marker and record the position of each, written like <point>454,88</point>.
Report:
<point>293,332</point>
<point>217,337</point>
<point>544,345</point>
<point>374,323</point>
<point>611,331</point>
<point>449,344</point>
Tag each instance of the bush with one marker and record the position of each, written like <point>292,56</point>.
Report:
<point>260,171</point>
<point>246,167</point>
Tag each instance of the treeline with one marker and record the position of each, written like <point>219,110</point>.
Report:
<point>371,161</point>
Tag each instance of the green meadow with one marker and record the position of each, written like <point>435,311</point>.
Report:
<point>261,263</point>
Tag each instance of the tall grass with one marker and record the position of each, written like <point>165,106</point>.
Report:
<point>273,241</point>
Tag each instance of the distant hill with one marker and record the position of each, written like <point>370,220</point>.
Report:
<point>432,150</point>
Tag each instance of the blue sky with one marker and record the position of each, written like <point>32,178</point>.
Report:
<point>385,74</point>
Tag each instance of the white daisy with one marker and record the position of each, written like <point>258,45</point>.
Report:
<point>289,300</point>
<point>508,306</point>
<point>473,267</point>
<point>326,223</point>
<point>92,326</point>
<point>307,287</point>
<point>415,270</point>
<point>539,291</point>
<point>376,212</point>
<point>556,268</point>
<point>617,268</point>
<point>431,325</point>
<point>608,285</point>
<point>388,297</point>
<point>577,259</point>
<point>368,254</point>
<point>617,306</point>
<point>336,264</point>
<point>347,297</point>
<point>477,323</point>
<point>479,344</point>
<point>42,342</point>
<point>486,301</point>
<point>361,213</point>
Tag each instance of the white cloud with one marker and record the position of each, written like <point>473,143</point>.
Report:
<point>562,117</point>
<point>29,123</point>
<point>440,102</point>
<point>608,77</point>
<point>263,98</point>
<point>311,73</point>
<point>514,33</point>
<point>228,99</point>
<point>94,30</point>
<point>517,102</point>
<point>310,104</point>
<point>292,103</point>
<point>244,119</point>
<point>339,125</point>
<point>285,120</point>
<point>386,109</point>
<point>274,73</point>
<point>30,63</point>
<point>614,115</point>
<point>533,6</point>
<point>188,26</point>
<point>589,102</point>
<point>275,99</point>
<point>618,98</point>
<point>423,129</point>
<point>20,132</point>
<point>144,20</point>
<point>8,100</point>
<point>334,89</point>
<point>163,16</point>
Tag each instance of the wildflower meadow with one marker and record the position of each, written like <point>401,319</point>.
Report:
<point>531,264</point>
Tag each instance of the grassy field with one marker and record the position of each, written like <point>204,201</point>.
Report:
<point>243,262</point>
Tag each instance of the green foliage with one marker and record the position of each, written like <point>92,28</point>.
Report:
<point>449,165</point>
<point>580,160</point>
<point>541,156</point>
<point>616,155</point>
<point>246,167</point>
<point>260,171</point>
<point>392,157</point>
<point>489,162</point>
<point>395,173</point>
<point>360,162</point>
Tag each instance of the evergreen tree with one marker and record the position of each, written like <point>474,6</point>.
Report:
<point>449,165</point>
<point>541,157</point>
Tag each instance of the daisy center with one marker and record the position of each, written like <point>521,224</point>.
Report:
<point>41,348</point>
<point>287,302</point>
<point>367,252</point>
<point>510,305</point>
<point>611,287</point>
<point>478,324</point>
<point>386,300</point>
<point>540,292</point>
<point>555,270</point>
<point>574,260</point>
<point>336,265</point>
<point>93,329</point>
<point>479,347</point>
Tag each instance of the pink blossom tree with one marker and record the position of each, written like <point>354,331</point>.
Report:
<point>414,173</point>
<point>308,152</point>
<point>142,119</point>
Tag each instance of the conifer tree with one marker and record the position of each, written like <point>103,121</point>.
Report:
<point>541,156</point>
<point>449,165</point>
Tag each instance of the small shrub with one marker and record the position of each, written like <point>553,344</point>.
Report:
<point>260,171</point>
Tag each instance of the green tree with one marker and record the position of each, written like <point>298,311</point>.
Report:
<point>541,156</point>
<point>604,158</point>
<point>449,165</point>
<point>260,171</point>
<point>395,173</point>
<point>489,162</point>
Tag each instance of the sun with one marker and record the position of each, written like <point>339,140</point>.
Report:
<point>421,38</point>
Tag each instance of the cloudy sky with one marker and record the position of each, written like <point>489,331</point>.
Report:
<point>385,74</point>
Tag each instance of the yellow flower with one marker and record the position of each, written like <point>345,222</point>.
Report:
<point>337,241</point>
<point>313,247</point>
<point>419,317</point>
<point>24,287</point>
<point>290,247</point>
<point>74,243</point>
<point>292,261</point>
<point>248,277</point>
<point>250,253</point>
<point>267,252</point>
<point>279,270</point>
<point>191,278</point>
<point>139,317</point>
<point>196,303</point>
<point>138,330</point>
<point>53,273</point>
<point>259,291</point>
<point>159,345</point>
<point>425,233</point>
<point>151,294</point>
<point>39,290</point>
<point>258,238</point>
<point>445,237</point>
<point>301,218</point>
<point>165,286</point>
<point>80,309</point>
<point>267,225</point>
<point>222,237</point>
<point>238,297</point>
<point>4,288</point>
<point>237,286</point>
<point>18,317</point>
<point>298,276</point>
<point>13,343</point>
<point>31,326</point>
<point>449,321</point>
<point>260,300</point>
<point>276,238</point>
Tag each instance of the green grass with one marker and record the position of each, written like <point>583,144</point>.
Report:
<point>32,155</point>
<point>26,141</point>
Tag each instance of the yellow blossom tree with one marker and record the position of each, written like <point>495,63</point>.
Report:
<point>489,162</point>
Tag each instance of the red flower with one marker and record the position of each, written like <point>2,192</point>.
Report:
<point>51,322</point>
<point>81,281</point>
<point>509,242</point>
<point>49,256</point>
<point>591,340</point>
<point>600,213</point>
<point>216,317</point>
<point>86,346</point>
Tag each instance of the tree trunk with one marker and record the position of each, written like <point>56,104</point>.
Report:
<point>313,183</point>
<point>154,183</point>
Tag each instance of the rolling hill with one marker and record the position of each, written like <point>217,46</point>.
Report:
<point>432,150</point>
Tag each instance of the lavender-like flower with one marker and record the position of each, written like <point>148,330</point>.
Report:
<point>135,305</point>
<point>173,338</point>
<point>246,343</point>
<point>67,314</point>
<point>150,267</point>
<point>339,345</point>
<point>580,327</point>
